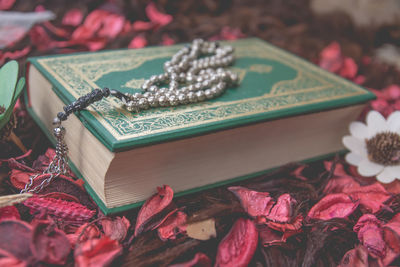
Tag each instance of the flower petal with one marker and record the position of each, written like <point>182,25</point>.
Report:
<point>376,123</point>
<point>394,121</point>
<point>355,145</point>
<point>389,174</point>
<point>353,158</point>
<point>368,168</point>
<point>359,130</point>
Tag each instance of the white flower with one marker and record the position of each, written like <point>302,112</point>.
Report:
<point>375,146</point>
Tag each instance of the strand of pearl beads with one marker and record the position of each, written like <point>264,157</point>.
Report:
<point>195,73</point>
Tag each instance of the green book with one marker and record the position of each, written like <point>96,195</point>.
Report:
<point>285,109</point>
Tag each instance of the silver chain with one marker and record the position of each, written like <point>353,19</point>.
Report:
<point>195,73</point>
<point>57,166</point>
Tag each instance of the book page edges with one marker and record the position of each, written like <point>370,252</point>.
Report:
<point>89,155</point>
<point>213,158</point>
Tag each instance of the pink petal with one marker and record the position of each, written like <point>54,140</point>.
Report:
<point>138,41</point>
<point>253,202</point>
<point>369,232</point>
<point>156,16</point>
<point>73,17</point>
<point>333,206</point>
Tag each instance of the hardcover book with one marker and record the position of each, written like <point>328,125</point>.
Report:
<point>284,109</point>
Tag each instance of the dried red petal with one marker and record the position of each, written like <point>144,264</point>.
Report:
<point>333,206</point>
<point>391,232</point>
<point>294,226</point>
<point>174,225</point>
<point>298,172</point>
<point>269,237</point>
<point>6,4</point>
<point>370,234</point>
<point>82,33</point>
<point>142,25</point>
<point>238,246</point>
<point>14,238</point>
<point>50,244</point>
<point>356,257</point>
<point>167,40</point>
<point>370,197</point>
<point>14,54</point>
<point>7,259</point>
<point>19,178</point>
<point>392,92</point>
<point>9,213</point>
<point>59,208</point>
<point>63,196</point>
<point>156,16</point>
<point>112,26</point>
<point>116,228</point>
<point>97,252</point>
<point>153,206</point>
<point>138,41</point>
<point>331,57</point>
<point>283,209</point>
<point>349,68</point>
<point>253,202</point>
<point>199,260</point>
<point>39,38</point>
<point>89,232</point>
<point>73,17</point>
<point>43,161</point>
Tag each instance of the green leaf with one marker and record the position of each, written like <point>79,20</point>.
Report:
<point>9,92</point>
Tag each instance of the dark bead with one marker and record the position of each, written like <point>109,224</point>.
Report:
<point>217,44</point>
<point>62,116</point>
<point>68,109</point>
<point>106,92</point>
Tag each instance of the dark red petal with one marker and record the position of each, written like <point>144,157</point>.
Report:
<point>283,209</point>
<point>294,226</point>
<point>153,205</point>
<point>9,213</point>
<point>73,17</point>
<point>270,237</point>
<point>43,161</point>
<point>174,225</point>
<point>50,244</point>
<point>370,197</point>
<point>14,54</point>
<point>89,232</point>
<point>253,202</point>
<point>156,16</point>
<point>66,210</point>
<point>199,260</point>
<point>19,178</point>
<point>63,196</point>
<point>356,257</point>
<point>40,38</point>
<point>15,236</point>
<point>391,232</point>
<point>333,206</point>
<point>370,234</point>
<point>238,246</point>
<point>97,252</point>
<point>116,228</point>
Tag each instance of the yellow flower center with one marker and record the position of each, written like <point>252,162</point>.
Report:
<point>384,148</point>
